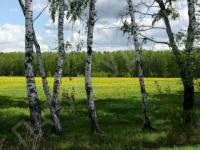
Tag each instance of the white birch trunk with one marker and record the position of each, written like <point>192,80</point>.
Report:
<point>59,67</point>
<point>41,70</point>
<point>52,109</point>
<point>88,85</point>
<point>192,25</point>
<point>147,124</point>
<point>35,112</point>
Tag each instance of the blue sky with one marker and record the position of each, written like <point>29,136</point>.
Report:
<point>10,12</point>
<point>107,35</point>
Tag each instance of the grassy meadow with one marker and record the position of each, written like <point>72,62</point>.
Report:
<point>118,104</point>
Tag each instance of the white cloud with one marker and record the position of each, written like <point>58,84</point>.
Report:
<point>38,5</point>
<point>12,38</point>
<point>106,33</point>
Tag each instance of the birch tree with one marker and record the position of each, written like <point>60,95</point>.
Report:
<point>88,66</point>
<point>41,70</point>
<point>58,5</point>
<point>147,124</point>
<point>74,11</point>
<point>35,112</point>
<point>185,59</point>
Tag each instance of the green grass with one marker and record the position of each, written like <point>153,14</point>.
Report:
<point>118,104</point>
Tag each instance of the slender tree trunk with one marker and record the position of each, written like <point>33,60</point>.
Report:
<point>184,62</point>
<point>147,124</point>
<point>59,67</point>
<point>35,112</point>
<point>188,80</point>
<point>41,70</point>
<point>189,49</point>
<point>52,109</point>
<point>88,85</point>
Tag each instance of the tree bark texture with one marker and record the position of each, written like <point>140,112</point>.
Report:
<point>59,68</point>
<point>88,85</point>
<point>147,124</point>
<point>35,112</point>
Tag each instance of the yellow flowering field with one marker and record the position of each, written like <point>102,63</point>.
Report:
<point>118,104</point>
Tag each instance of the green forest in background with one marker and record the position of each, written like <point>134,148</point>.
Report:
<point>105,64</point>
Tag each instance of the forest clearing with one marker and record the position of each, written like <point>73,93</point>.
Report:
<point>118,103</point>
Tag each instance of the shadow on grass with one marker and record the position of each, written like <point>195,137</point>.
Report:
<point>7,102</point>
<point>121,121</point>
<point>18,102</point>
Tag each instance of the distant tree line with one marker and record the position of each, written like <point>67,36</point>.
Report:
<point>105,64</point>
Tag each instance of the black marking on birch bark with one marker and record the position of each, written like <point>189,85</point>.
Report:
<point>88,62</point>
<point>88,89</point>
<point>89,50</point>
<point>56,82</point>
<point>44,77</point>
<point>29,60</point>
<point>29,54</point>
